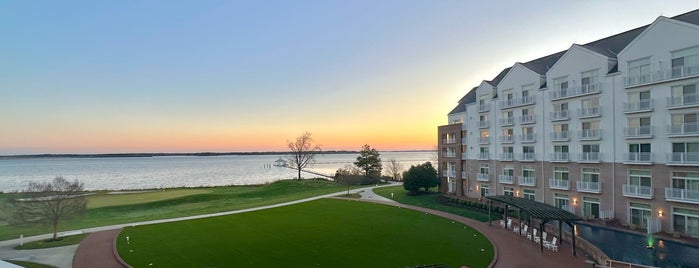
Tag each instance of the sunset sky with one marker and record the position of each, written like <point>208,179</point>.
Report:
<point>193,76</point>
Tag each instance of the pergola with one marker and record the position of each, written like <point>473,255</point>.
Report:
<point>536,210</point>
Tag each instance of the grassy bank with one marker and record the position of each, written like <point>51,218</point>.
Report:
<point>428,201</point>
<point>108,209</point>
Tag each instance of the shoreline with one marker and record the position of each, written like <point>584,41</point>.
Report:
<point>124,155</point>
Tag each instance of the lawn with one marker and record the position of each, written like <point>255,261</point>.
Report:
<point>107,209</point>
<point>428,201</point>
<point>322,233</point>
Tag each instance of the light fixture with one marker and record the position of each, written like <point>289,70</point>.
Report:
<point>660,213</point>
<point>575,201</point>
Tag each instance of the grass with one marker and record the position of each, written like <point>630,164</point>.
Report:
<point>428,201</point>
<point>107,209</point>
<point>322,233</point>
<point>352,195</point>
<point>63,241</point>
<point>27,264</point>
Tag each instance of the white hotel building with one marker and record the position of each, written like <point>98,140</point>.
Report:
<point>608,129</point>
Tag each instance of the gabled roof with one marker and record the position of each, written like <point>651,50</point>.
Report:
<point>499,77</point>
<point>470,97</point>
<point>542,65</point>
<point>689,17</point>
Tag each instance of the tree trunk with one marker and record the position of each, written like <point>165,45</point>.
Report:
<point>299,178</point>
<point>55,230</point>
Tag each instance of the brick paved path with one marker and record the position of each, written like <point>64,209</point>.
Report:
<point>97,250</point>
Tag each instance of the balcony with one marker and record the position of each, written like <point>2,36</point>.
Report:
<point>682,195</point>
<point>464,156</point>
<point>463,141</point>
<point>449,141</point>
<point>684,101</point>
<point>483,177</point>
<point>507,139</point>
<point>686,129</point>
<point>507,121</point>
<point>590,112</point>
<point>506,156</point>
<point>588,187</point>
<point>590,134</point>
<point>527,157</point>
<point>527,138</point>
<point>642,132</point>
<point>484,107</point>
<point>526,181</point>
<point>637,191</point>
<point>559,136</point>
<point>638,107</point>
<point>463,174</point>
<point>683,159</point>
<point>661,75</point>
<point>638,158</point>
<point>560,115</point>
<point>449,154</point>
<point>576,91</point>
<point>449,173</point>
<point>484,140</point>
<point>483,156</point>
<point>559,157</point>
<point>528,100</point>
<point>527,119</point>
<point>589,157</point>
<point>483,124</point>
<point>559,184</point>
<point>506,179</point>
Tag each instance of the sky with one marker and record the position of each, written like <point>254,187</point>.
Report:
<point>231,76</point>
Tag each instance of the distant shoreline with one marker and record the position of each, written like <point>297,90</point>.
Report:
<point>113,155</point>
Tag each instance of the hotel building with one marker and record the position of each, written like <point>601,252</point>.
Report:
<point>607,129</point>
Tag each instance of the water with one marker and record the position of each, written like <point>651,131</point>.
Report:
<point>173,171</point>
<point>630,247</point>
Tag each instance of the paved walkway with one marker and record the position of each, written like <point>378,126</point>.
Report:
<point>97,250</point>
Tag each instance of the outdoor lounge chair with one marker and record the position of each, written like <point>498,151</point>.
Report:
<point>525,230</point>
<point>543,236</point>
<point>553,245</point>
<point>502,223</point>
<point>529,236</point>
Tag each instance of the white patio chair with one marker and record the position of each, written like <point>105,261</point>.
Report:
<point>509,222</point>
<point>529,236</point>
<point>553,245</point>
<point>543,236</point>
<point>525,230</point>
<point>502,223</point>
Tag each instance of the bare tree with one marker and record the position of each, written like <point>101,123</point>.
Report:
<point>49,202</point>
<point>303,152</point>
<point>393,168</point>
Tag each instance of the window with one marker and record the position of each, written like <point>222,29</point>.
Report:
<point>508,170</point>
<point>484,136</point>
<point>507,118</point>
<point>561,84</point>
<point>590,207</point>
<point>485,190</point>
<point>483,120</point>
<point>451,184</point>
<point>484,169</point>
<point>527,96</point>
<point>507,135</point>
<point>528,134</point>
<point>688,182</point>
<point>561,201</point>
<point>528,176</point>
<point>639,184</point>
<point>590,152</point>
<point>639,152</point>
<point>560,132</point>
<point>484,153</point>
<point>685,62</point>
<point>684,123</point>
<point>507,153</point>
<point>528,153</point>
<point>508,98</point>
<point>684,95</point>
<point>529,194</point>
<point>589,182</point>
<point>560,111</point>
<point>483,104</point>
<point>638,126</point>
<point>508,191</point>
<point>639,214</point>
<point>560,153</point>
<point>686,221</point>
<point>590,107</point>
<point>527,115</point>
<point>560,173</point>
<point>639,71</point>
<point>685,152</point>
<point>589,81</point>
<point>590,130</point>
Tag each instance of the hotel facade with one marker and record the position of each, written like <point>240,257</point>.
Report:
<point>607,129</point>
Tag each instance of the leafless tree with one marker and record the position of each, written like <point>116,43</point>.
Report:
<point>49,202</point>
<point>393,168</point>
<point>303,151</point>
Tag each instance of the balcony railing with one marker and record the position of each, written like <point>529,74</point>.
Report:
<point>483,124</point>
<point>575,91</point>
<point>527,137</point>
<point>559,136</point>
<point>559,184</point>
<point>632,190</point>
<point>506,156</point>
<point>526,181</point>
<point>683,101</point>
<point>449,141</point>
<point>638,158</point>
<point>588,186</point>
<point>589,112</point>
<point>661,75</point>
<point>517,102</point>
<point>449,154</point>
<point>593,157</point>
<point>683,129</point>
<point>590,134</point>
<point>506,179</point>
<point>507,121</point>
<point>560,157</point>
<point>682,195</point>
<point>639,106</point>
<point>560,115</point>
<point>484,140</point>
<point>449,173</point>
<point>463,174</point>
<point>527,119</point>
<point>527,157</point>
<point>639,132</point>
<point>483,177</point>
<point>507,139</point>
<point>483,156</point>
<point>686,158</point>
<point>484,107</point>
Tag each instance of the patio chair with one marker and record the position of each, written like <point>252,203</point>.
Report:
<point>509,222</point>
<point>553,245</point>
<point>515,229</point>
<point>525,230</point>
<point>502,223</point>
<point>529,236</point>
<point>543,236</point>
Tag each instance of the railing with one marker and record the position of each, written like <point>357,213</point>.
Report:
<point>484,107</point>
<point>685,158</point>
<point>588,186</point>
<point>559,184</point>
<point>632,190</point>
<point>683,129</point>
<point>449,141</point>
<point>589,112</point>
<point>483,177</point>
<point>526,181</point>
<point>507,121</point>
<point>463,174</point>
<point>506,156</point>
<point>527,137</point>
<point>576,91</point>
<point>449,154</point>
<point>559,136</point>
<point>527,119</point>
<point>684,100</point>
<point>590,134</point>
<point>484,140</point>
<point>560,157</point>
<point>507,139</point>
<point>527,157</point>
<point>638,132</point>
<point>506,179</point>
<point>682,195</point>
<point>483,124</point>
<point>449,173</point>
<point>483,156</point>
<point>606,214</point>
<point>517,102</point>
<point>638,158</point>
<point>589,157</point>
<point>639,106</point>
<point>560,115</point>
<point>661,75</point>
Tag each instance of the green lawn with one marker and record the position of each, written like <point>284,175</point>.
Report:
<point>115,209</point>
<point>322,233</point>
<point>428,201</point>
